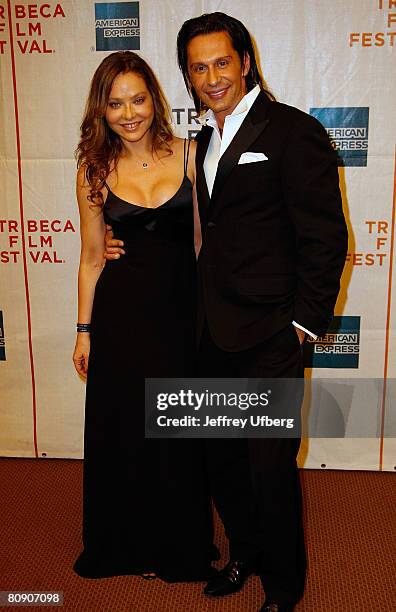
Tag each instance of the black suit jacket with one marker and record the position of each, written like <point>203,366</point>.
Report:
<point>274,236</point>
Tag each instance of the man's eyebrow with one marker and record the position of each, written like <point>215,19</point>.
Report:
<point>216,59</point>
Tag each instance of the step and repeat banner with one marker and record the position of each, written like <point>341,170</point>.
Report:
<point>331,58</point>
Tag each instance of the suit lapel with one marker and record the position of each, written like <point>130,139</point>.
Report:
<point>254,123</point>
<point>203,139</point>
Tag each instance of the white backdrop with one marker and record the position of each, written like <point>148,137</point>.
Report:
<point>333,56</point>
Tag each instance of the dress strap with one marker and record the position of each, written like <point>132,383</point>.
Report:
<point>186,153</point>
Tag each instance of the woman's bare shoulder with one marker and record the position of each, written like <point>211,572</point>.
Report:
<point>193,147</point>
<point>82,176</point>
<point>179,144</point>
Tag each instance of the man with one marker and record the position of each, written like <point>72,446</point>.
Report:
<point>273,248</point>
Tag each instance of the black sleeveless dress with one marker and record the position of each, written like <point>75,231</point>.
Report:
<point>146,501</point>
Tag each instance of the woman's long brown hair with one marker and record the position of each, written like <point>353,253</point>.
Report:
<point>99,147</point>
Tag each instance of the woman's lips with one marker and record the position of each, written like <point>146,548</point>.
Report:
<point>131,127</point>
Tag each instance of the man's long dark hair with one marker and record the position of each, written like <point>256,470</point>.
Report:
<point>240,38</point>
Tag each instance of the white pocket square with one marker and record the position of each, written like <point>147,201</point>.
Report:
<point>249,157</point>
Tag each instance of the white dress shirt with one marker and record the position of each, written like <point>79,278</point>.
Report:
<point>220,142</point>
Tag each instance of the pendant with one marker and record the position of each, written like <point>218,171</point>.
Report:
<point>145,165</point>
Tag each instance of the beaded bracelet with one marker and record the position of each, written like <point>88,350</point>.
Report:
<point>83,327</point>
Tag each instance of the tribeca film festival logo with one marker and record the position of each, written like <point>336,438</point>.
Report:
<point>2,338</point>
<point>347,128</point>
<point>29,25</point>
<point>386,38</point>
<point>117,26</point>
<point>189,115</point>
<point>40,240</point>
<point>378,232</point>
<point>339,347</point>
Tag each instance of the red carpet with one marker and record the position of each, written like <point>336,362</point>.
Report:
<point>350,529</point>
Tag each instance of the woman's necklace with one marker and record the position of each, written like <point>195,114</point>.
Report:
<point>143,163</point>
<point>149,163</point>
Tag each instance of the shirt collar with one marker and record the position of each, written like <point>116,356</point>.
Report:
<point>243,106</point>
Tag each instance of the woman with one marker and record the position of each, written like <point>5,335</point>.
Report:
<point>146,506</point>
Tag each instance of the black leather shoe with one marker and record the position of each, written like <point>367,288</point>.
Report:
<point>228,580</point>
<point>274,606</point>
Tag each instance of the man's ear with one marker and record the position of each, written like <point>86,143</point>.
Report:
<point>246,64</point>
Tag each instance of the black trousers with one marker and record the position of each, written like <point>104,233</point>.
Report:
<point>255,482</point>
